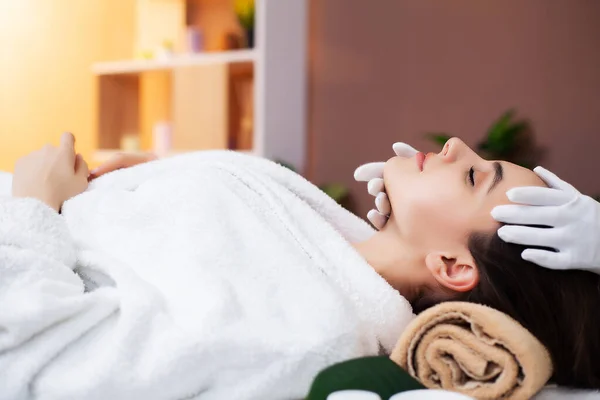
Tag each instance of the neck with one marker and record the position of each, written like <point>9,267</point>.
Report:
<point>382,252</point>
<point>390,256</point>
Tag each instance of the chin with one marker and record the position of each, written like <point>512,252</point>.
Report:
<point>395,172</point>
<point>393,167</point>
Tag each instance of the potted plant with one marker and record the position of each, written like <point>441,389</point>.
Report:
<point>244,9</point>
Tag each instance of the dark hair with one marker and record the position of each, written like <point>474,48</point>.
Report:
<point>560,308</point>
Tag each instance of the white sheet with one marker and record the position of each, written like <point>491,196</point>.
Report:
<point>559,393</point>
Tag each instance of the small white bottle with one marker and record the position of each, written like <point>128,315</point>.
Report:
<point>353,395</point>
<point>162,138</point>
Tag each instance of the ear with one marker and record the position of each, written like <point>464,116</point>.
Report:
<point>456,272</point>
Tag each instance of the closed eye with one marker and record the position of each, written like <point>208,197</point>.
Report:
<point>472,176</point>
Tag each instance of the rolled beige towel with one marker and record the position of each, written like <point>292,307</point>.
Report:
<point>475,350</point>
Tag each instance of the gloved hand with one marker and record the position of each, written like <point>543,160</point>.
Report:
<point>573,217</point>
<point>373,173</point>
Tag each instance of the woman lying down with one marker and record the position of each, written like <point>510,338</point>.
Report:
<point>222,276</point>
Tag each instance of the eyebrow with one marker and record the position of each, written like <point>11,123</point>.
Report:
<point>498,175</point>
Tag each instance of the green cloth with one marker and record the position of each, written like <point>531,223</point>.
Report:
<point>376,374</point>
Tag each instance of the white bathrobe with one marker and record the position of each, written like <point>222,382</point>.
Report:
<point>211,275</point>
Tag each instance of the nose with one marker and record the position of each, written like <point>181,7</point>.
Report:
<point>454,149</point>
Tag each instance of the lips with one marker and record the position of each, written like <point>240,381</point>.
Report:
<point>420,159</point>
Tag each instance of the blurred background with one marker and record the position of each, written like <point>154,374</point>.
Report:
<point>321,86</point>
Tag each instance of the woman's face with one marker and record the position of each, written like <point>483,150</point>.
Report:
<point>439,202</point>
<point>452,193</point>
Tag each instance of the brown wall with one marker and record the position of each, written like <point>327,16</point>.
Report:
<point>388,70</point>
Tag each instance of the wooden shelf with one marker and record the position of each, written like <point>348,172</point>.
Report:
<point>178,60</point>
<point>237,99</point>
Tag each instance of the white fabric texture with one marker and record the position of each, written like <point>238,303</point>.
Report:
<point>210,275</point>
<point>561,393</point>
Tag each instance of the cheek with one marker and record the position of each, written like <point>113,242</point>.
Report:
<point>430,211</point>
<point>422,194</point>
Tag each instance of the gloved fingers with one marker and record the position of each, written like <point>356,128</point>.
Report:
<point>552,180</point>
<point>538,196</point>
<point>526,215</point>
<point>404,150</point>
<point>369,171</point>
<point>377,219</point>
<point>383,204</point>
<point>528,236</point>
<point>375,186</point>
<point>545,258</point>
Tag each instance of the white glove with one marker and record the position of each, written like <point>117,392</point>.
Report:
<point>373,173</point>
<point>573,217</point>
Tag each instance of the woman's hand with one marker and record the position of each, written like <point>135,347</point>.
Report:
<point>121,160</point>
<point>52,174</point>
<point>373,173</point>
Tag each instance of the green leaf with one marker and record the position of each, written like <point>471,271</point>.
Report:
<point>502,122</point>
<point>286,165</point>
<point>336,191</point>
<point>502,136</point>
<point>498,128</point>
<point>525,164</point>
<point>439,138</point>
<point>518,127</point>
<point>244,9</point>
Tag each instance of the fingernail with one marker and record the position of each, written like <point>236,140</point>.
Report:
<point>494,213</point>
<point>94,171</point>
<point>502,235</point>
<point>510,194</point>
